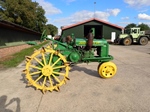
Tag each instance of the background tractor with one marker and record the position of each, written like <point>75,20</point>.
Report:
<point>132,35</point>
<point>47,69</point>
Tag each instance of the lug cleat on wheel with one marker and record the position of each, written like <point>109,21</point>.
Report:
<point>46,70</point>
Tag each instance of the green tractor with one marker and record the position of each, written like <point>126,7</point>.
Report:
<point>131,36</point>
<point>47,68</point>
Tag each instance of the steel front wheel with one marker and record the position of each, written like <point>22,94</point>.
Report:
<point>46,70</point>
<point>107,69</point>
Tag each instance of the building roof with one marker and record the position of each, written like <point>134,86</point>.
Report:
<point>92,19</point>
<point>14,26</point>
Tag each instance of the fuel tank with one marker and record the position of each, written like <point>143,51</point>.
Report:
<point>96,42</point>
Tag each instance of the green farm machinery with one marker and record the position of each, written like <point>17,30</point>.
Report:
<point>47,68</point>
<point>132,35</point>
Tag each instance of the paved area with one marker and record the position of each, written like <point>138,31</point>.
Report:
<point>128,91</point>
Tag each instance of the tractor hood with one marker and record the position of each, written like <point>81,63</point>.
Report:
<point>96,42</point>
<point>123,35</point>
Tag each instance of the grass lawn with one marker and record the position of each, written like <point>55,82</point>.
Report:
<point>18,57</point>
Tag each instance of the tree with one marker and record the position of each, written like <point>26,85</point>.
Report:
<point>8,10</point>
<point>53,30</point>
<point>23,12</point>
<point>144,27</point>
<point>130,25</point>
<point>40,18</point>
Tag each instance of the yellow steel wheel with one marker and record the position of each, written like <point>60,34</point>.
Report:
<point>44,74</point>
<point>107,69</point>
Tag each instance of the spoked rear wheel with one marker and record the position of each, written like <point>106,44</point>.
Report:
<point>46,69</point>
<point>107,69</point>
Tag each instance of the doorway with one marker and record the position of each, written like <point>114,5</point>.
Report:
<point>98,31</point>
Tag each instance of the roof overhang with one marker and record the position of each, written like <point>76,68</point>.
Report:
<point>13,26</point>
<point>92,19</point>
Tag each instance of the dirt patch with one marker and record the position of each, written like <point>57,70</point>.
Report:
<point>6,58</point>
<point>3,60</point>
<point>7,53</point>
<point>4,52</point>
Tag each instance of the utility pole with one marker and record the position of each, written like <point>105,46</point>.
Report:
<point>94,8</point>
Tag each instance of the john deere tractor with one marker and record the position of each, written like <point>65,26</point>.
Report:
<point>132,35</point>
<point>47,68</point>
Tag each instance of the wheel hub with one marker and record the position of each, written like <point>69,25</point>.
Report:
<point>47,70</point>
<point>108,71</point>
<point>127,41</point>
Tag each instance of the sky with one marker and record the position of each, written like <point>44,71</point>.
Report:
<point>118,12</point>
